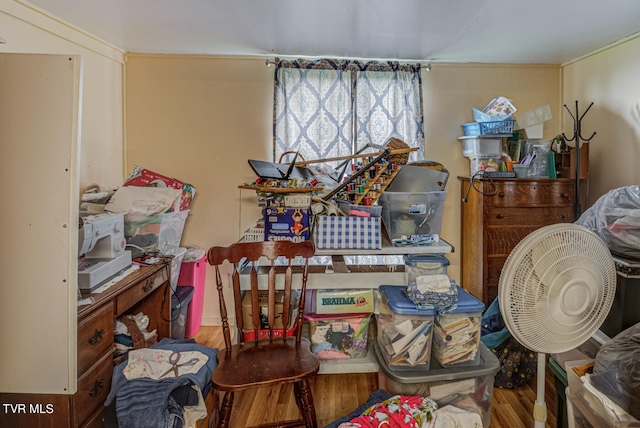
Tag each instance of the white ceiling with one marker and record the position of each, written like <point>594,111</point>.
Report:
<point>491,31</point>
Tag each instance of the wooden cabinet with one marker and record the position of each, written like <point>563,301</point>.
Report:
<point>146,290</point>
<point>497,215</point>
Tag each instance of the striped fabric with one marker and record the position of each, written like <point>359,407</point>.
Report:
<point>333,232</point>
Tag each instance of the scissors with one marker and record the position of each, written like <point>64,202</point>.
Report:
<point>174,359</point>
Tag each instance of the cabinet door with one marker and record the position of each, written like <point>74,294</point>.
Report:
<point>39,135</point>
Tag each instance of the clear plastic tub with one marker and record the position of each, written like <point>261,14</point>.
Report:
<point>404,332</point>
<point>412,213</point>
<point>481,147</point>
<point>161,232</point>
<point>176,264</point>
<point>456,334</point>
<point>338,336</point>
<point>468,388</point>
<point>416,265</point>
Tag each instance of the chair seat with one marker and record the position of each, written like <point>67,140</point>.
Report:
<point>264,363</point>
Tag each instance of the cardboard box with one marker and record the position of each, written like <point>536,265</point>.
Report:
<point>342,301</point>
<point>334,232</point>
<point>286,224</point>
<point>143,177</point>
<point>263,301</point>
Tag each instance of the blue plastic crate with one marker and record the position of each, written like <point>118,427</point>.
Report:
<point>488,128</point>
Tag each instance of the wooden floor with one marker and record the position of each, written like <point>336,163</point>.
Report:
<point>337,395</point>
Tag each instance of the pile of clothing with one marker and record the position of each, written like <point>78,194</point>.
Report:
<point>161,386</point>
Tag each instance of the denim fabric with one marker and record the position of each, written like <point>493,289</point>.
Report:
<point>147,403</point>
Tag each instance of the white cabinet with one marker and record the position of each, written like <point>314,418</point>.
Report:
<point>39,155</point>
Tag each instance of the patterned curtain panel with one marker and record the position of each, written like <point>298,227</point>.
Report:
<point>330,108</point>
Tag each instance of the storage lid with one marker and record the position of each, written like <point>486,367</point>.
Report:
<point>414,259</point>
<point>400,303</point>
<point>467,303</point>
<point>488,365</point>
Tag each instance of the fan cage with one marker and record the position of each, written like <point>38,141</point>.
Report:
<point>557,287</point>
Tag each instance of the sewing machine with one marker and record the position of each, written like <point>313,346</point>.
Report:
<point>101,249</point>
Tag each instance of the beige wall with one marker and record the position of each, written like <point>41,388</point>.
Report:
<point>30,30</point>
<point>609,79</point>
<point>199,119</point>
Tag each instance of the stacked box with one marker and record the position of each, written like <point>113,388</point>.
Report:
<point>333,232</point>
<point>456,334</point>
<point>339,337</point>
<point>468,387</point>
<point>344,301</point>
<point>286,224</point>
<point>404,332</point>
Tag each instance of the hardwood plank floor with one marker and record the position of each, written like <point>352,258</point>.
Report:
<point>336,395</point>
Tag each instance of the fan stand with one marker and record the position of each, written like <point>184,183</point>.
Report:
<point>540,406</point>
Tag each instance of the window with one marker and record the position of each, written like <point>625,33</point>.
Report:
<point>333,108</point>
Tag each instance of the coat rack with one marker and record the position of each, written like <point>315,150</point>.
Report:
<point>577,136</point>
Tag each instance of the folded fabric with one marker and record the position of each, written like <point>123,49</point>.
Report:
<point>397,411</point>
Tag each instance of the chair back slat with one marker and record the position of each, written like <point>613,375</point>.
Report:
<point>251,252</point>
<point>223,309</point>
<point>237,298</point>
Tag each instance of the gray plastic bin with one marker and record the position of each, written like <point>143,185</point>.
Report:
<point>179,305</point>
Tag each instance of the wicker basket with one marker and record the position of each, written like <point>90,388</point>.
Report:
<point>136,335</point>
<point>401,158</point>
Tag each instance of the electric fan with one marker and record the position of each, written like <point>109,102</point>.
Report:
<point>555,291</point>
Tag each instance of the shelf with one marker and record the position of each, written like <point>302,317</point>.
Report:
<point>441,247</point>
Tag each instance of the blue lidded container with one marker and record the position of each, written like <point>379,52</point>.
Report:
<point>404,333</point>
<point>456,334</point>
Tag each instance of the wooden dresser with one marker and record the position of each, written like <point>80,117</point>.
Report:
<point>494,221</point>
<point>146,290</point>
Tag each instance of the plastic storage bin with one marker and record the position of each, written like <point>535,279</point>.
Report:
<point>456,334</point>
<point>468,388</point>
<point>624,312</point>
<point>488,128</point>
<point>481,147</point>
<point>193,274</point>
<point>179,304</point>
<point>161,232</point>
<point>352,209</point>
<point>337,337</point>
<point>416,265</point>
<point>404,332</point>
<point>176,263</point>
<point>412,213</point>
<point>591,407</point>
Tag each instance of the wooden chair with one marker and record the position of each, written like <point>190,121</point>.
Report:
<point>276,359</point>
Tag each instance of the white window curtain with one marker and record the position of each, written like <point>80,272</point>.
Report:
<point>331,108</point>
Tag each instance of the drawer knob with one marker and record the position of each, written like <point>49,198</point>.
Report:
<point>501,194</point>
<point>97,388</point>
<point>564,195</point>
<point>147,286</point>
<point>562,217</point>
<point>96,338</point>
<point>500,216</point>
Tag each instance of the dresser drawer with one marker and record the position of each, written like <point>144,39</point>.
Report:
<point>532,216</point>
<point>139,291</point>
<point>95,336</point>
<point>93,387</point>
<point>514,193</point>
<point>95,420</point>
<point>501,240</point>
